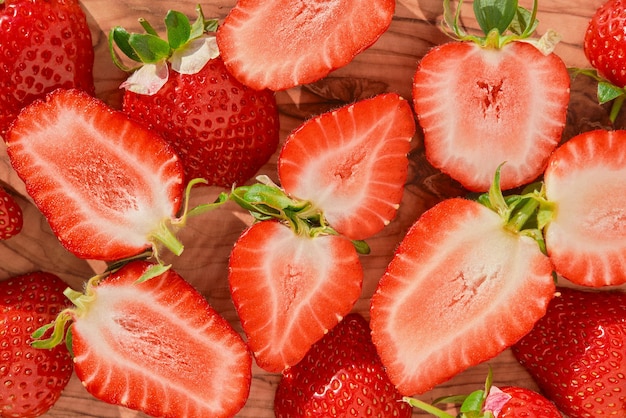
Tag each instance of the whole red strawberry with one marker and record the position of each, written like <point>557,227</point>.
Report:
<point>604,41</point>
<point>11,216</point>
<point>577,353</point>
<point>32,378</point>
<point>494,402</point>
<point>341,375</point>
<point>45,44</point>
<point>223,131</point>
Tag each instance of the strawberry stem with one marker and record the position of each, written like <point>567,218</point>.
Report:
<point>426,407</point>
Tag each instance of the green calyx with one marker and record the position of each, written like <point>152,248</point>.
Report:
<point>501,21</point>
<point>527,213</point>
<point>470,406</point>
<point>61,326</point>
<point>606,92</point>
<point>149,47</point>
<point>266,201</point>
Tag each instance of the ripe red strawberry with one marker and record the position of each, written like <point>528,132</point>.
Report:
<point>493,402</point>
<point>485,101</point>
<point>341,375</point>
<point>586,182</point>
<point>352,163</point>
<point>577,353</point>
<point>223,131</point>
<point>109,187</point>
<point>32,379</point>
<point>282,44</point>
<point>289,289</point>
<point>464,268</point>
<point>155,346</point>
<point>45,44</point>
<point>604,42</point>
<point>11,216</point>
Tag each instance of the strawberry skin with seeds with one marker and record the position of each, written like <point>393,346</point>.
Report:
<point>45,44</point>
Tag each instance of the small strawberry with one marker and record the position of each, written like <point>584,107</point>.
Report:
<point>341,375</point>
<point>155,346</point>
<point>585,182</point>
<point>482,101</point>
<point>45,44</point>
<point>278,45</point>
<point>577,353</point>
<point>473,272</point>
<point>494,402</point>
<point>223,131</point>
<point>11,216</point>
<point>603,46</point>
<point>32,379</point>
<point>108,187</point>
<point>351,163</point>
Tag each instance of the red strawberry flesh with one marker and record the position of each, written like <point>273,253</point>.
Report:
<point>104,183</point>
<point>459,290</point>
<point>282,44</point>
<point>157,346</point>
<point>289,290</point>
<point>586,178</point>
<point>352,163</point>
<point>482,107</point>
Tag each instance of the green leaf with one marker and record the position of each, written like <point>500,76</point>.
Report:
<point>119,36</point>
<point>523,22</point>
<point>150,48</point>
<point>153,271</point>
<point>178,29</point>
<point>495,14</point>
<point>608,92</point>
<point>473,402</point>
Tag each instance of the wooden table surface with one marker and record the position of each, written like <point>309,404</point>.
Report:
<point>387,66</point>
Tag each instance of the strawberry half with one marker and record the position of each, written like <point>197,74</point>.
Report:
<point>341,375</point>
<point>485,101</point>
<point>289,289</point>
<point>56,52</point>
<point>577,353</point>
<point>155,346</point>
<point>278,45</point>
<point>109,187</point>
<point>11,216</point>
<point>463,285</point>
<point>32,379</point>
<point>352,163</point>
<point>223,131</point>
<point>586,182</point>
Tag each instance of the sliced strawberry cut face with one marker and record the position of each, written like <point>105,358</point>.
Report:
<point>586,180</point>
<point>104,183</point>
<point>482,107</point>
<point>352,163</point>
<point>158,347</point>
<point>278,45</point>
<point>289,290</point>
<point>459,290</point>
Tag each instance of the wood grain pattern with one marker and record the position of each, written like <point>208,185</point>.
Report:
<point>387,66</point>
